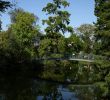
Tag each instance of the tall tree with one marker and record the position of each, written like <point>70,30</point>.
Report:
<point>53,45</point>
<point>57,23</point>
<point>102,11</point>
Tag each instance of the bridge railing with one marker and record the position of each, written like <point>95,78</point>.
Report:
<point>75,56</point>
<point>80,56</point>
<point>68,56</point>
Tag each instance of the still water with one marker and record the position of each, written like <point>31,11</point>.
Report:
<point>29,88</point>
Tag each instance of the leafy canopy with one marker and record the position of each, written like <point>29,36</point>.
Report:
<point>23,33</point>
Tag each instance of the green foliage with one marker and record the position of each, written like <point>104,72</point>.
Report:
<point>47,46</point>
<point>103,25</point>
<point>74,44</point>
<point>102,89</point>
<point>52,70</point>
<point>44,46</point>
<point>57,24</point>
<point>17,42</point>
<point>102,47</point>
<point>4,46</point>
<point>52,8</point>
<point>86,33</point>
<point>61,45</point>
<point>3,40</point>
<point>24,27</point>
<point>13,14</point>
<point>24,31</point>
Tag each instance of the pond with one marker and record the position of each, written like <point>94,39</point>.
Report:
<point>29,88</point>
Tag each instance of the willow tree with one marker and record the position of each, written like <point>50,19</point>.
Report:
<point>102,12</point>
<point>57,24</point>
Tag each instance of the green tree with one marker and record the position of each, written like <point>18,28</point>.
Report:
<point>23,32</point>
<point>57,23</point>
<point>102,47</point>
<point>74,44</point>
<point>86,33</point>
<point>53,45</point>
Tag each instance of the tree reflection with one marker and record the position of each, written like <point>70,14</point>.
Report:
<point>25,88</point>
<point>22,86</point>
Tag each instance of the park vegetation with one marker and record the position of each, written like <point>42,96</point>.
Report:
<point>23,43</point>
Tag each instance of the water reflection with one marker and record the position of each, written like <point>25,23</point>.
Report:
<point>25,87</point>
